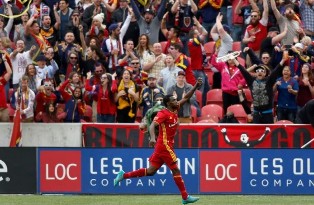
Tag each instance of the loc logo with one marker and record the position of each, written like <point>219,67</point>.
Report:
<point>60,171</point>
<point>220,171</point>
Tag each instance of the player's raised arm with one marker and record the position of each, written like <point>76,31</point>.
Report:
<point>191,92</point>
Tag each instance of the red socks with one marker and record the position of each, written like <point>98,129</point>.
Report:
<point>180,183</point>
<point>136,173</point>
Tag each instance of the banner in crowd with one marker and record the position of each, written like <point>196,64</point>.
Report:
<point>204,171</point>
<point>18,170</point>
<point>203,136</point>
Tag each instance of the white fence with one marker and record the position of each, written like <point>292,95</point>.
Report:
<point>44,134</point>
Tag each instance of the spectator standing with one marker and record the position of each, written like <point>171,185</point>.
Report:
<point>293,22</point>
<point>20,59</point>
<point>169,74</point>
<point>196,48</point>
<point>74,104</point>
<point>149,24</point>
<point>96,8</point>
<point>113,46</point>
<point>4,79</point>
<point>105,94</point>
<point>155,63</point>
<point>261,88</point>
<point>127,98</point>
<point>179,90</point>
<point>257,30</point>
<point>306,85</point>
<point>287,88</point>
<point>44,97</point>
<point>307,16</point>
<point>182,62</point>
<point>231,81</point>
<point>25,100</point>
<point>50,114</point>
<point>20,28</point>
<point>184,11</point>
<point>50,33</point>
<point>148,93</point>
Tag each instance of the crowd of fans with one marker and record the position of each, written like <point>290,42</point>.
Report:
<point>63,60</point>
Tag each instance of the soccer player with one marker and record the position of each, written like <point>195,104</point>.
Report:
<point>167,120</point>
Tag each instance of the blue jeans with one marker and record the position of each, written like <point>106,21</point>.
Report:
<point>106,118</point>
<point>205,86</point>
<point>236,33</point>
<point>208,27</point>
<point>185,39</point>
<point>286,114</point>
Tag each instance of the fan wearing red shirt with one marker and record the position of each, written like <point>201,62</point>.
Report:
<point>167,120</point>
<point>257,30</point>
<point>4,112</point>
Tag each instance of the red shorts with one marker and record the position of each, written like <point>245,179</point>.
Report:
<point>167,157</point>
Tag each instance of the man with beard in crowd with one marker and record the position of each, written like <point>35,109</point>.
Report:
<point>257,30</point>
<point>290,18</point>
<point>148,93</point>
<point>20,59</point>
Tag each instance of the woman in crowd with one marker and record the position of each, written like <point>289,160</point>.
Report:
<point>105,95</point>
<point>306,85</point>
<point>74,81</point>
<point>287,88</point>
<point>127,98</point>
<point>50,114</point>
<point>143,48</point>
<point>33,81</point>
<point>231,80</point>
<point>71,92</point>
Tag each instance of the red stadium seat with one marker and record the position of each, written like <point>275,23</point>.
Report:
<point>199,97</point>
<point>209,48</point>
<point>248,96</point>
<point>214,96</point>
<point>193,113</point>
<point>238,112</point>
<point>283,122</point>
<point>236,46</point>
<point>212,112</point>
<point>88,115</point>
<point>210,75</point>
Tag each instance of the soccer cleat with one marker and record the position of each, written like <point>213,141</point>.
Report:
<point>190,199</point>
<point>118,178</point>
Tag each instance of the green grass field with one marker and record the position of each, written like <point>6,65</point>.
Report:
<point>150,199</point>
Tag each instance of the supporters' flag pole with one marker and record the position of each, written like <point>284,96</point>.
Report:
<point>16,134</point>
<point>309,142</point>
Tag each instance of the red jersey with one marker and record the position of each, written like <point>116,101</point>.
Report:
<point>42,100</point>
<point>260,32</point>
<point>196,54</point>
<point>168,124</point>
<point>3,102</point>
<point>183,63</point>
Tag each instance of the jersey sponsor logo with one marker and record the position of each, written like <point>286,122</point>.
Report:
<point>60,171</point>
<point>220,171</point>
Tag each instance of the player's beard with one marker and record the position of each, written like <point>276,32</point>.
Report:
<point>175,106</point>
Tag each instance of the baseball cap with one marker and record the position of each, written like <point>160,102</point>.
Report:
<point>149,11</point>
<point>41,57</point>
<point>151,75</point>
<point>299,45</point>
<point>181,73</point>
<point>273,29</point>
